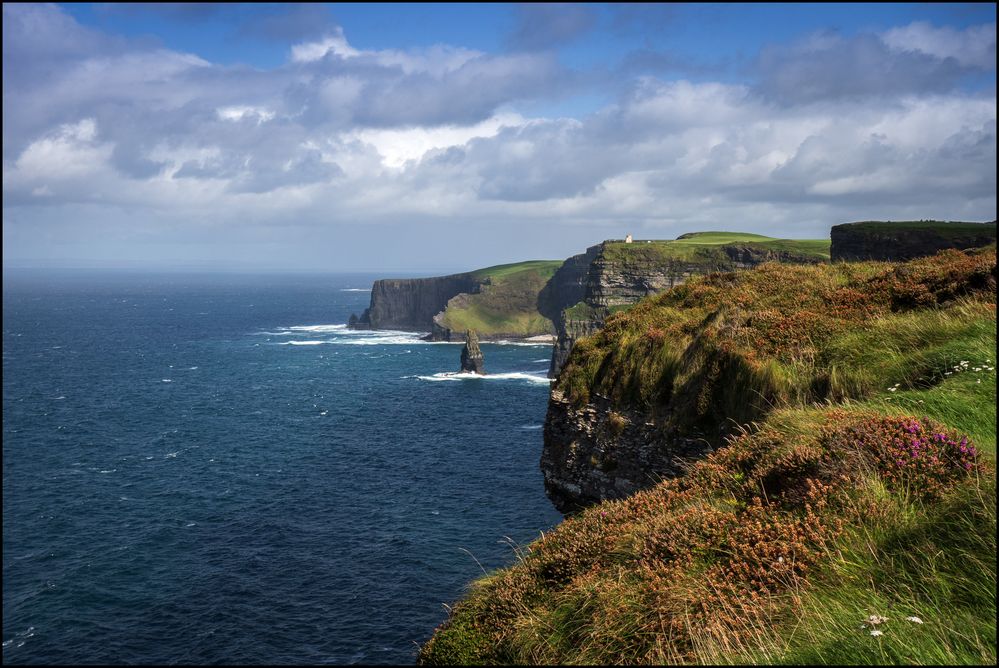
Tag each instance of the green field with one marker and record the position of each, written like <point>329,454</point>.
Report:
<point>507,304</point>
<point>500,272</point>
<point>861,482</point>
<point>707,247</point>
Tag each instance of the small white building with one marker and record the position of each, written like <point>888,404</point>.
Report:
<point>627,239</point>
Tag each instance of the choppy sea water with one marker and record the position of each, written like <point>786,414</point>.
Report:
<point>212,469</point>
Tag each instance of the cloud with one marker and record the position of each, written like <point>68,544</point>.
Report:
<point>181,12</point>
<point>289,22</point>
<point>542,26</point>
<point>334,43</point>
<point>308,161</point>
<point>973,47</point>
<point>827,66</point>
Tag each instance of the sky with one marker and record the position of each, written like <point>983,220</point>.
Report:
<point>432,137</point>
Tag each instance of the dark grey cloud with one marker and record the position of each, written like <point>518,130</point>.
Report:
<point>289,22</point>
<point>543,25</point>
<point>830,67</point>
<point>465,95</point>
<point>644,18</point>
<point>181,12</point>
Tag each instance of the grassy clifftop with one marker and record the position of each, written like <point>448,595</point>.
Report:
<point>708,245</point>
<point>865,487</point>
<point>507,304</point>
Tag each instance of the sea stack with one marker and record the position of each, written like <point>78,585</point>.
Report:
<point>471,356</point>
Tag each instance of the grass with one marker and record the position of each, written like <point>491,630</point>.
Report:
<point>854,493</point>
<point>718,238</point>
<point>709,248</point>
<point>507,304</point>
<point>500,272</point>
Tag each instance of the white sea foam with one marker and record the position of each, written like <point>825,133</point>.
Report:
<point>355,289</point>
<point>382,337</point>
<point>507,342</point>
<point>544,360</point>
<point>532,426</point>
<point>167,380</point>
<point>313,328</point>
<point>512,375</point>
<point>173,454</point>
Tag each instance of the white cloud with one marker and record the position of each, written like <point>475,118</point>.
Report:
<point>67,153</point>
<point>398,146</point>
<point>335,44</point>
<point>239,112</point>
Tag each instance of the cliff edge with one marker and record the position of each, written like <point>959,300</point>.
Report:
<point>900,241</point>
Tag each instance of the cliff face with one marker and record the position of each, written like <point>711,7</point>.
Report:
<point>620,275</point>
<point>568,285</point>
<point>412,303</point>
<point>906,240</point>
<point>595,452</point>
<point>678,374</point>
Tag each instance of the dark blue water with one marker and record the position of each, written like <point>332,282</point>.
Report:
<point>182,483</point>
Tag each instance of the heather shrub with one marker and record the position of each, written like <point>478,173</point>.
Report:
<point>731,347</point>
<point>717,558</point>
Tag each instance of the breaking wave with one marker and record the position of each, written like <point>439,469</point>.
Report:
<point>512,375</point>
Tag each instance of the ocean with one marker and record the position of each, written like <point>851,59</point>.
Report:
<point>209,468</point>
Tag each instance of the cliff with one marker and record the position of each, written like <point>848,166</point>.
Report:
<point>674,376</point>
<point>410,304</point>
<point>499,302</point>
<point>762,440</point>
<point>620,274</point>
<point>504,306</point>
<point>899,241</point>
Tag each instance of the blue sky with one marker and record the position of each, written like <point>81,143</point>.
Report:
<point>425,137</point>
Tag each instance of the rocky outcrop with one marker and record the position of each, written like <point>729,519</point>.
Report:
<point>472,360</point>
<point>621,275</point>
<point>410,304</point>
<point>572,325</point>
<point>568,285</point>
<point>594,452</point>
<point>899,241</point>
